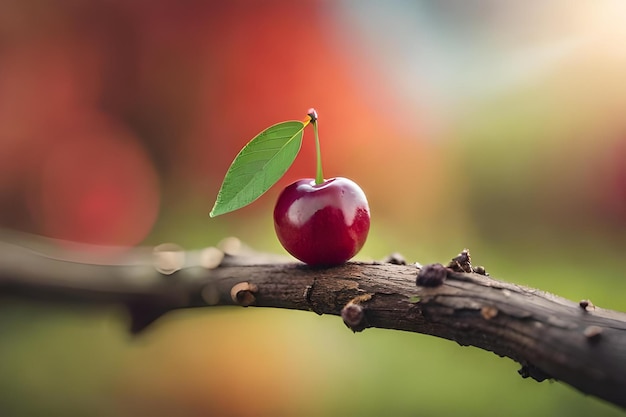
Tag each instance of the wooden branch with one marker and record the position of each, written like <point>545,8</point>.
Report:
<point>551,337</point>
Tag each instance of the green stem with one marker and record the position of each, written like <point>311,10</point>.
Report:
<point>319,178</point>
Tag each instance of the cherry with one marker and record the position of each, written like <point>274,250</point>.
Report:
<point>322,224</point>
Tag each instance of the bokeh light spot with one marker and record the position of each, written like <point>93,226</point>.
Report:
<point>97,188</point>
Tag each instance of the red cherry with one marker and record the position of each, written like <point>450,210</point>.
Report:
<point>322,224</point>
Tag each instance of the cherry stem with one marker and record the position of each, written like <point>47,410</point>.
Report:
<point>312,118</point>
<point>319,178</point>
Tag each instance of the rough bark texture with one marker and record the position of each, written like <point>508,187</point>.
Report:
<point>550,337</point>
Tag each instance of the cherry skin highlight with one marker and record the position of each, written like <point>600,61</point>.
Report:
<point>322,224</point>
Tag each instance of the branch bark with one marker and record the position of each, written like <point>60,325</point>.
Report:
<point>551,337</point>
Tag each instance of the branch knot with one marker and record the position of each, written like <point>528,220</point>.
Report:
<point>243,293</point>
<point>353,313</point>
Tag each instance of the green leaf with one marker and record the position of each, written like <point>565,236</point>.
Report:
<point>259,165</point>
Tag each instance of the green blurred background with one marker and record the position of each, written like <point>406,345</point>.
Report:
<point>497,126</point>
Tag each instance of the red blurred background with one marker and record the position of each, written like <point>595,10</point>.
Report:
<point>110,110</point>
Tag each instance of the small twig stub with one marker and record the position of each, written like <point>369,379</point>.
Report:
<point>586,305</point>
<point>353,313</point>
<point>431,275</point>
<point>243,293</point>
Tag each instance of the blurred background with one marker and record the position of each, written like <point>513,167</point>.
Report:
<point>496,126</point>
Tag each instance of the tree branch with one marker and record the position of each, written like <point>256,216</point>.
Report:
<point>549,336</point>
